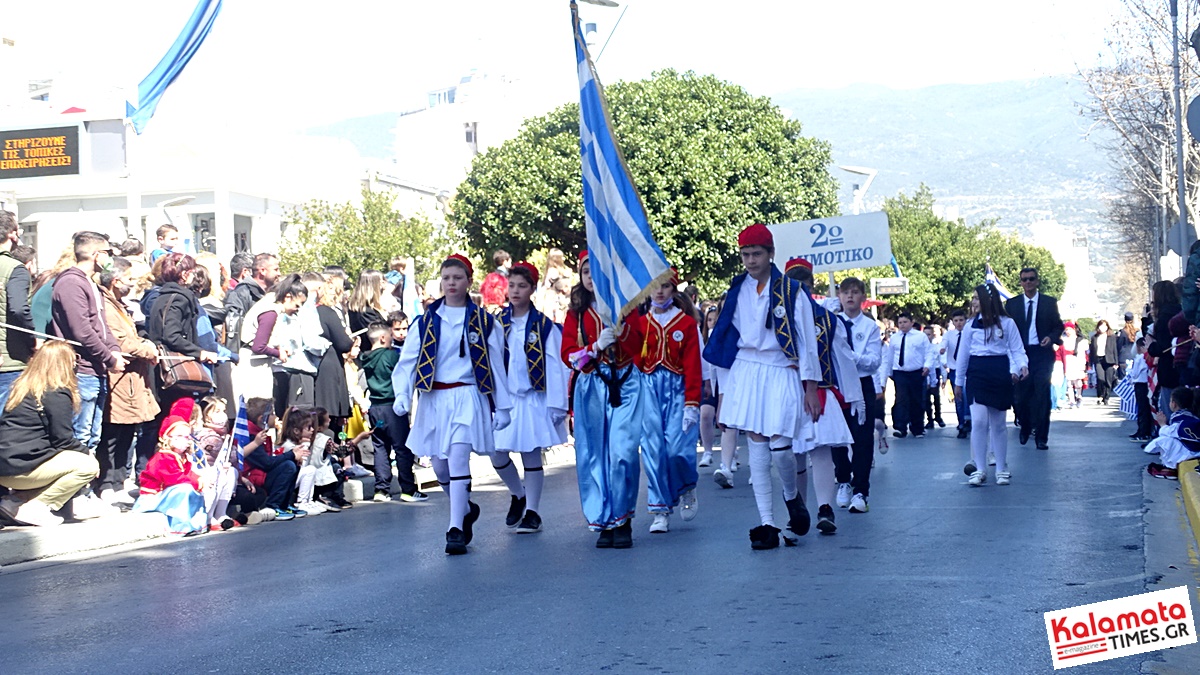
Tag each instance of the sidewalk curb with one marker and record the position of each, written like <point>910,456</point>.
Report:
<point>1189,482</point>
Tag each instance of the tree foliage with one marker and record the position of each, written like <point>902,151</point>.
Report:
<point>944,260</point>
<point>707,157</point>
<point>360,237</point>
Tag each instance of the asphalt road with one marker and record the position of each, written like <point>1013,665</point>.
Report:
<point>937,578</point>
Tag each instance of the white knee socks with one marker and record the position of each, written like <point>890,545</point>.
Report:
<point>459,464</point>
<point>999,437</point>
<point>824,481</point>
<point>534,479</point>
<point>760,473</point>
<point>503,464</point>
<point>729,438</point>
<point>707,415</point>
<point>980,421</point>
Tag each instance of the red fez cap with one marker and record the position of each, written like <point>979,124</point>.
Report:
<point>675,280</point>
<point>583,257</point>
<point>797,262</point>
<point>529,268</point>
<point>183,407</point>
<point>756,235</point>
<point>171,421</point>
<point>466,263</point>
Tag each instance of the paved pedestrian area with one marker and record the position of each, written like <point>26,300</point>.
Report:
<point>937,578</point>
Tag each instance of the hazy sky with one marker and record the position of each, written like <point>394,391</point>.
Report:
<point>294,64</point>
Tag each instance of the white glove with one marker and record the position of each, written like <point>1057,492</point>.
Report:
<point>557,416</point>
<point>859,408</point>
<point>691,417</point>
<point>501,420</point>
<point>606,339</point>
<point>400,407</point>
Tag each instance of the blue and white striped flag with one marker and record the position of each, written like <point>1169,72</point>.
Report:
<point>989,277</point>
<point>625,261</point>
<point>154,85</point>
<point>1125,391</point>
<point>241,433</point>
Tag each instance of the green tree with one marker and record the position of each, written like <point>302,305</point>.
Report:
<point>360,237</point>
<point>707,157</point>
<point>945,259</point>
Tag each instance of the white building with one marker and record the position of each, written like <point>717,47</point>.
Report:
<point>1070,249</point>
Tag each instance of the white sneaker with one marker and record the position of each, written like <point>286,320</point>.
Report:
<point>1003,477</point>
<point>721,477</point>
<point>734,467</point>
<point>843,495</point>
<point>266,514</point>
<point>858,504</point>
<point>688,504</point>
<point>705,459</point>
<point>991,457</point>
<point>35,513</point>
<point>112,497</point>
<point>312,508</point>
<point>382,497</point>
<point>255,517</point>
<point>977,479</point>
<point>90,506</point>
<point>661,524</point>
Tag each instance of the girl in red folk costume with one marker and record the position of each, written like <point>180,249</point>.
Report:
<point>672,386</point>
<point>537,382</point>
<point>169,486</point>
<point>609,414</point>
<point>455,359</point>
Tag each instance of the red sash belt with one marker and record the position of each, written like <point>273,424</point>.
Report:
<point>438,386</point>
<point>822,392</point>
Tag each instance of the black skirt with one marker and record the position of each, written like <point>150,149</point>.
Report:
<point>989,382</point>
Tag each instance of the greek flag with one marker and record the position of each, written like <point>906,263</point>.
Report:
<point>1124,390</point>
<point>989,277</point>
<point>241,433</point>
<point>625,261</point>
<point>152,88</point>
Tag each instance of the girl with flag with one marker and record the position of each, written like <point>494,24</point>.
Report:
<point>537,382</point>
<point>169,485</point>
<point>765,336</point>
<point>609,414</point>
<point>991,360</point>
<point>673,382</point>
<point>455,359</point>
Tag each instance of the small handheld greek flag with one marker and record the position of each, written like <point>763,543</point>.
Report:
<point>989,277</point>
<point>1125,391</point>
<point>241,433</point>
<point>626,263</point>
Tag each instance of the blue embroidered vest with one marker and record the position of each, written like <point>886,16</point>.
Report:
<point>722,346</point>
<point>537,330</point>
<point>477,328</point>
<point>826,327</point>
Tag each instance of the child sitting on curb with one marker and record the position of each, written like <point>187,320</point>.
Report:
<point>169,486</point>
<point>1179,440</point>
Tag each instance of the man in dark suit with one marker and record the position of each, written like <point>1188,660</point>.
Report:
<point>1041,329</point>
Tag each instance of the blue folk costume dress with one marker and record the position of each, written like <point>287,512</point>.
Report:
<point>537,382</point>
<point>609,411</point>
<point>768,342</point>
<point>838,386</point>
<point>673,380</point>
<point>456,362</point>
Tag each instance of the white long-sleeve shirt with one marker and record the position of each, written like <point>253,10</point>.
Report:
<point>918,353</point>
<point>449,367</point>
<point>951,342</point>
<point>845,364</point>
<point>1002,340</point>
<point>1139,372</point>
<point>757,342</point>
<point>518,371</point>
<point>868,347</point>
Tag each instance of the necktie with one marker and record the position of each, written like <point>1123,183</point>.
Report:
<point>903,337</point>
<point>957,345</point>
<point>1028,316</point>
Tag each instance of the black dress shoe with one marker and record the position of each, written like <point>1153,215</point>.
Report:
<point>962,433</point>
<point>800,520</point>
<point>1041,445</point>
<point>941,424</point>
<point>1024,437</point>
<point>764,537</point>
<point>455,545</point>
<point>605,540</point>
<point>469,522</point>
<point>899,434</point>
<point>516,510</point>
<point>623,535</point>
<point>929,425</point>
<point>825,522</point>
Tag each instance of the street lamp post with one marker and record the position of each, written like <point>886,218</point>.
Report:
<point>1181,187</point>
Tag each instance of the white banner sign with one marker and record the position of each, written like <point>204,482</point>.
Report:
<point>840,243</point>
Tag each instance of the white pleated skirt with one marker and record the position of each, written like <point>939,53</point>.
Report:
<point>531,427</point>
<point>766,400</point>
<point>448,416</point>
<point>830,430</point>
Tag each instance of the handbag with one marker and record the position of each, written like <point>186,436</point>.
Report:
<point>181,374</point>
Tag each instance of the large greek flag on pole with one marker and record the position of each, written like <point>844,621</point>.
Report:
<point>151,89</point>
<point>989,277</point>
<point>625,261</point>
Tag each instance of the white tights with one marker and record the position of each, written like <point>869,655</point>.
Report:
<point>455,473</point>
<point>988,425</point>
<point>762,455</point>
<point>534,477</point>
<point>707,415</point>
<point>824,480</point>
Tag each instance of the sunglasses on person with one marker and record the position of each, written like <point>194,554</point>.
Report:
<point>1024,279</point>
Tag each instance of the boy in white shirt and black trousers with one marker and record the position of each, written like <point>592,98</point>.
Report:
<point>854,471</point>
<point>910,358</point>
<point>951,343</point>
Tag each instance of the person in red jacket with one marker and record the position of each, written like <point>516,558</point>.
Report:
<point>168,484</point>
<point>609,411</point>
<point>670,359</point>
